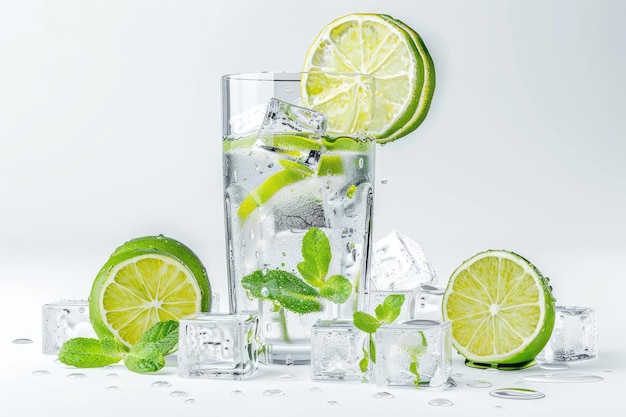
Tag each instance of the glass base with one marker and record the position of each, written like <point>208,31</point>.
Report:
<point>288,354</point>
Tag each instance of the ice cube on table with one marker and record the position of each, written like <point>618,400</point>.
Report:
<point>574,336</point>
<point>399,263</point>
<point>64,320</point>
<point>282,119</point>
<point>218,345</point>
<point>418,352</point>
<point>336,351</point>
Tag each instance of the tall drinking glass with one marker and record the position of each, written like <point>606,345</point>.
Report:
<point>298,192</point>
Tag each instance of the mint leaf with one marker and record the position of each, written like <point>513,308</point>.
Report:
<point>372,349</point>
<point>164,334</point>
<point>111,346</point>
<point>364,363</point>
<point>414,369</point>
<point>390,309</point>
<point>336,289</point>
<point>285,288</point>
<point>144,357</point>
<point>365,322</point>
<point>316,254</point>
<point>83,352</point>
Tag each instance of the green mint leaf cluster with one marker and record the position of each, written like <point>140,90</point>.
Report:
<point>147,355</point>
<point>386,312</point>
<point>302,295</point>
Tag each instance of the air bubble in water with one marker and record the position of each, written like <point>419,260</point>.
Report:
<point>273,393</point>
<point>440,402</point>
<point>517,394</point>
<point>383,395</point>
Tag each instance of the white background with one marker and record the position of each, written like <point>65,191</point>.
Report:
<point>110,129</point>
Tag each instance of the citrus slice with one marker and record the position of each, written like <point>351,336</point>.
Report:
<point>147,280</point>
<point>379,46</point>
<point>500,307</point>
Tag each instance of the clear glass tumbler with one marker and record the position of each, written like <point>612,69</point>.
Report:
<point>298,193</point>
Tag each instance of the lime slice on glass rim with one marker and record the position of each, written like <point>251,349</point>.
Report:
<point>147,280</point>
<point>501,310</point>
<point>380,46</point>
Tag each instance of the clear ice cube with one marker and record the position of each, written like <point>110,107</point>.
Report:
<point>418,352</point>
<point>574,336</point>
<point>283,119</point>
<point>214,345</point>
<point>336,350</point>
<point>64,320</point>
<point>399,263</point>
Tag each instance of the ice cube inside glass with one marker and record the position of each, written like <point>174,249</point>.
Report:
<point>218,345</point>
<point>417,352</point>
<point>64,320</point>
<point>337,348</point>
<point>574,336</point>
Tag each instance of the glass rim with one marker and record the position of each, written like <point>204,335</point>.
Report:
<point>289,75</point>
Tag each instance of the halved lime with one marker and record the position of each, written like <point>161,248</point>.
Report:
<point>500,307</point>
<point>147,280</point>
<point>379,46</point>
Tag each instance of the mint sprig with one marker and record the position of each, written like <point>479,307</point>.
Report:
<point>386,312</point>
<point>302,295</point>
<point>147,355</point>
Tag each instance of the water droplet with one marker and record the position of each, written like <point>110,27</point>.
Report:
<point>265,292</point>
<point>113,388</point>
<point>440,402</point>
<point>479,383</point>
<point>81,309</point>
<point>236,392</point>
<point>517,394</point>
<point>287,377</point>
<point>361,163</point>
<point>288,89</point>
<point>112,375</point>
<point>57,361</point>
<point>315,389</point>
<point>563,377</point>
<point>491,371</point>
<point>499,407</point>
<point>521,383</point>
<point>273,393</point>
<point>333,403</point>
<point>458,375</point>
<point>268,327</point>
<point>288,360</point>
<point>41,372</point>
<point>607,372</point>
<point>251,234</point>
<point>190,401</point>
<point>77,375</point>
<point>553,366</point>
<point>22,341</point>
<point>383,395</point>
<point>179,394</point>
<point>383,181</point>
<point>161,384</point>
<point>107,368</point>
